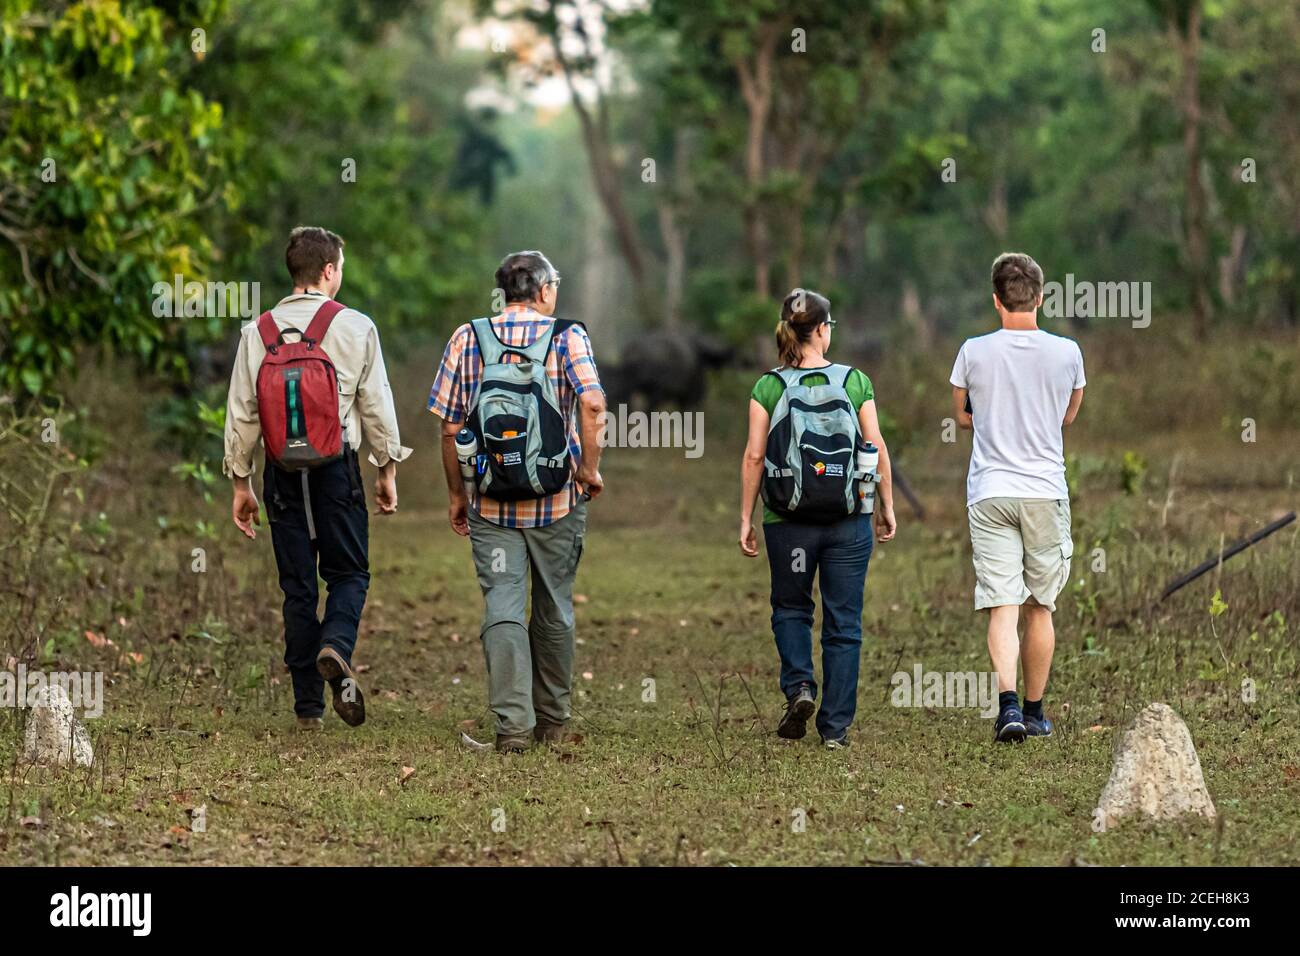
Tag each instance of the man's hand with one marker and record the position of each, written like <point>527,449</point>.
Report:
<point>591,482</point>
<point>886,524</point>
<point>748,540</point>
<point>458,512</point>
<point>386,490</point>
<point>245,509</point>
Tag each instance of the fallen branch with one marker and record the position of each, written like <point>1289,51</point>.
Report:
<point>1209,564</point>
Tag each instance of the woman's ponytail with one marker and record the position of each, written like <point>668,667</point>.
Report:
<point>787,343</point>
<point>801,314</point>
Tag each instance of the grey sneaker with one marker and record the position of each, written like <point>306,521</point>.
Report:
<point>310,723</point>
<point>798,709</point>
<point>839,743</point>
<point>513,743</point>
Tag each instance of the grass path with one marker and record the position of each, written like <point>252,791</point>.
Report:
<point>694,776</point>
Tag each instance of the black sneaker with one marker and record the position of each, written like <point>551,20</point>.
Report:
<point>1038,726</point>
<point>797,711</point>
<point>1010,726</point>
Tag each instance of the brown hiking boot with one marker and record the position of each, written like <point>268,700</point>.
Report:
<point>513,743</point>
<point>548,733</point>
<point>349,702</point>
<point>310,723</point>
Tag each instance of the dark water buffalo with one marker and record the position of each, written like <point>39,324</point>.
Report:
<point>662,368</point>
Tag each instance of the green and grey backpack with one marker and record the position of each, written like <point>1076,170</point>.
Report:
<point>523,434</point>
<point>810,467</point>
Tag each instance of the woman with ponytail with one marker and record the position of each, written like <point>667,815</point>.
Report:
<point>836,552</point>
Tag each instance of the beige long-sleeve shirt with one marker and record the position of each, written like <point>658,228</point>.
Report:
<point>365,400</point>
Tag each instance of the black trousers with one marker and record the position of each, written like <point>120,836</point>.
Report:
<point>341,552</point>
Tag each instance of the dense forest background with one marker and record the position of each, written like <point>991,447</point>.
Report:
<point>683,162</point>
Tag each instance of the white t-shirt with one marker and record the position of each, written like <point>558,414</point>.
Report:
<point>1019,384</point>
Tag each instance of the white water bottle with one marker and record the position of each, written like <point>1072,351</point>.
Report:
<point>868,458</point>
<point>466,453</point>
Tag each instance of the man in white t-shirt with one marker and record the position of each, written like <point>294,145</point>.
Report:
<point>1016,388</point>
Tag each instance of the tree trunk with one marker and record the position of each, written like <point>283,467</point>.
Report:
<point>915,317</point>
<point>673,198</point>
<point>1189,37</point>
<point>756,88</point>
<point>1230,266</point>
<point>604,171</point>
<point>674,239</point>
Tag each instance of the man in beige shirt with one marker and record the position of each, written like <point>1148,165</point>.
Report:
<point>328,525</point>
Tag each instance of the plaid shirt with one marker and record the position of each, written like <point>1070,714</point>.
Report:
<point>572,370</point>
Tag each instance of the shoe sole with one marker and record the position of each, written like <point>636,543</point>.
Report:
<point>1013,732</point>
<point>794,725</point>
<point>331,666</point>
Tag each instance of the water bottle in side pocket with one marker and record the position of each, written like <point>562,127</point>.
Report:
<point>466,454</point>
<point>868,457</point>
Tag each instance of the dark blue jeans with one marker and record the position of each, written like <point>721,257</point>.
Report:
<point>838,554</point>
<point>342,549</point>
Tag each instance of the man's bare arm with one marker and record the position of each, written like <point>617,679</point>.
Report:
<point>458,498</point>
<point>960,396</point>
<point>591,424</point>
<point>1072,410</point>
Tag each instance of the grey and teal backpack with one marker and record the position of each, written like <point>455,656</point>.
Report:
<point>523,434</point>
<point>810,466</point>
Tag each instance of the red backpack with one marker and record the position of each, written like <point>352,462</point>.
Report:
<point>298,394</point>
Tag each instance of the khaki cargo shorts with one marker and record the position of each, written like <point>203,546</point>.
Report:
<point>1022,550</point>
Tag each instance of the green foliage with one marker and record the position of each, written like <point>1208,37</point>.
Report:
<point>1217,605</point>
<point>106,155</point>
<point>306,92</point>
<point>134,148</point>
<point>1132,473</point>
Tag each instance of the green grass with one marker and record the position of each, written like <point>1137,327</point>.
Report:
<point>697,776</point>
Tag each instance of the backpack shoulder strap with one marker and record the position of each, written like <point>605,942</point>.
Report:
<point>559,328</point>
<point>268,330</point>
<point>489,346</point>
<point>789,376</point>
<point>320,322</point>
<point>563,325</point>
